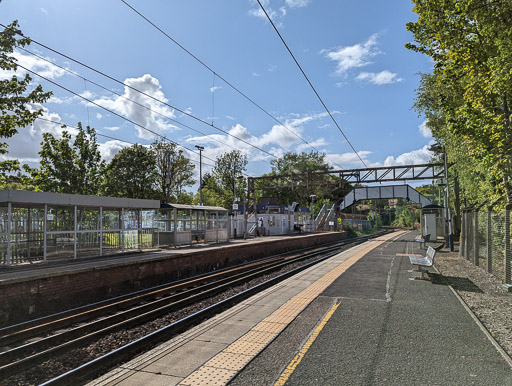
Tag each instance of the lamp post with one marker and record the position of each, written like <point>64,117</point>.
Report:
<point>243,208</point>
<point>200,148</point>
<point>313,209</point>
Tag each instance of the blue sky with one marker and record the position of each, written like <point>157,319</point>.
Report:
<point>352,51</point>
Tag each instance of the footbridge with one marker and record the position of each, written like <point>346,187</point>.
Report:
<point>377,192</point>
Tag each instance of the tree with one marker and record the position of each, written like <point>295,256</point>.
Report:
<point>304,165</point>
<point>75,168</point>
<point>222,185</point>
<point>470,43</point>
<point>132,173</point>
<point>16,103</point>
<point>175,172</point>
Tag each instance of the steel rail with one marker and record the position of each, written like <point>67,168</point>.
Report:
<point>99,365</point>
<point>84,334</point>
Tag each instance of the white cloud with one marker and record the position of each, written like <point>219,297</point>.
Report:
<point>26,145</point>
<point>272,67</point>
<point>381,78</point>
<point>279,138</point>
<point>135,112</point>
<point>424,130</point>
<point>110,148</point>
<point>215,88</point>
<point>111,128</point>
<point>255,74</point>
<point>40,66</point>
<point>297,3</point>
<point>99,116</point>
<point>348,158</point>
<point>44,11</point>
<point>358,55</point>
<point>420,156</point>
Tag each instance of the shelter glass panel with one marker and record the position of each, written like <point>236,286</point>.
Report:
<point>212,220</point>
<point>131,219</point>
<point>88,219</point>
<point>60,218</point>
<point>183,214</point>
<point>223,220</point>
<point>111,219</point>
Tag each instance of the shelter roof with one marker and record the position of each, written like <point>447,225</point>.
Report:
<point>194,207</point>
<point>29,198</point>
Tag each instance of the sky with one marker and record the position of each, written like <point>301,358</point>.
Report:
<point>352,51</point>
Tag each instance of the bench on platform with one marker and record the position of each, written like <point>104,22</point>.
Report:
<point>422,240</point>
<point>424,262</point>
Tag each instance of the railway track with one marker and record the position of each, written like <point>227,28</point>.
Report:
<point>35,342</point>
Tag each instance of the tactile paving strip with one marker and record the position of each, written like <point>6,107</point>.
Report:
<point>215,371</point>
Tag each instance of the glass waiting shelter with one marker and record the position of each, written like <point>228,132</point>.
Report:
<point>38,226</point>
<point>179,224</point>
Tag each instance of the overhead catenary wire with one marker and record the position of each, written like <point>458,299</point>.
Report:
<point>145,94</point>
<point>116,139</point>
<point>309,82</point>
<point>128,99</point>
<point>106,109</point>
<point>224,79</point>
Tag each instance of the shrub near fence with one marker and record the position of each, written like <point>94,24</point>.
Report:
<point>485,241</point>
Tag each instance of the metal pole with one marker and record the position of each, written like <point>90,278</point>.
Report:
<point>44,230</point>
<point>9,231</point>
<point>101,231</point>
<point>75,234</point>
<point>489,240</point>
<point>200,148</point>
<point>447,203</point>
<point>508,257</point>
<point>475,241</point>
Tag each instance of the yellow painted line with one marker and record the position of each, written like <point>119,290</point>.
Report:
<point>259,337</point>
<point>283,378</point>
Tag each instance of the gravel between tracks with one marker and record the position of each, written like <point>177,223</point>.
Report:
<point>482,292</point>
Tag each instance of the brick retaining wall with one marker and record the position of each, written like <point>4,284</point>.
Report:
<point>28,299</point>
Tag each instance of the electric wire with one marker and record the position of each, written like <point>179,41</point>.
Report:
<point>115,139</point>
<point>310,84</point>
<point>128,99</point>
<point>108,110</point>
<point>224,79</point>
<point>143,93</point>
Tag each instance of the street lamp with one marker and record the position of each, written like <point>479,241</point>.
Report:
<point>243,208</point>
<point>313,209</point>
<point>200,148</point>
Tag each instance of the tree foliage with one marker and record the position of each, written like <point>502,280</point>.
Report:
<point>67,165</point>
<point>305,170</point>
<point>467,99</point>
<point>17,98</point>
<point>132,173</point>
<point>223,185</point>
<point>175,172</point>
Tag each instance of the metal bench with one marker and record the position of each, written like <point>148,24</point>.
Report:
<point>422,240</point>
<point>422,262</point>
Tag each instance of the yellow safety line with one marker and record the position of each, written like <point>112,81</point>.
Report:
<point>283,378</point>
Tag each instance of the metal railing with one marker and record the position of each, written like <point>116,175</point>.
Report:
<point>485,241</point>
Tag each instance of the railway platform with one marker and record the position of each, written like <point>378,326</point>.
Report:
<point>360,317</point>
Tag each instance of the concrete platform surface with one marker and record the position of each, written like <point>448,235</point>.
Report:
<point>359,318</point>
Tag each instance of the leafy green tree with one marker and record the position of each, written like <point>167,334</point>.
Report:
<point>470,43</point>
<point>16,102</point>
<point>132,173</point>
<point>222,185</point>
<point>175,172</point>
<point>300,179</point>
<point>69,166</point>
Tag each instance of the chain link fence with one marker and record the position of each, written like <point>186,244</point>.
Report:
<point>485,241</point>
